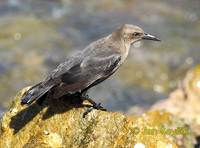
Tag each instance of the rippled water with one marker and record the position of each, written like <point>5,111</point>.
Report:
<point>36,35</point>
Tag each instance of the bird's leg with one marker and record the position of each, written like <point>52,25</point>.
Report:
<point>94,106</point>
<point>84,96</point>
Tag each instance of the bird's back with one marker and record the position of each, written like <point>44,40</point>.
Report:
<point>85,69</point>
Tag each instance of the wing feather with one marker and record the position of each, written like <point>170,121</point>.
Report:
<point>91,69</point>
<point>83,69</point>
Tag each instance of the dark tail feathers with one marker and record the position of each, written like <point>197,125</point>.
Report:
<point>35,93</point>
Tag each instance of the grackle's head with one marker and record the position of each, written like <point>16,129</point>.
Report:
<point>131,34</point>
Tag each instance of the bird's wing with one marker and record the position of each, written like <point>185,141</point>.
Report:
<point>91,69</point>
<point>92,64</point>
<point>64,67</point>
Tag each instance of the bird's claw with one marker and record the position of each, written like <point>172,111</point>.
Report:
<point>99,107</point>
<point>94,106</point>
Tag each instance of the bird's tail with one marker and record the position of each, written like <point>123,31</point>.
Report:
<point>35,93</point>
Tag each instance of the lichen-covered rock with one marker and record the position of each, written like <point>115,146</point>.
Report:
<point>185,101</point>
<point>191,84</point>
<point>59,123</point>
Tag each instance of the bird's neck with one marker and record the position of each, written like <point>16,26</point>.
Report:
<point>120,44</point>
<point>124,50</point>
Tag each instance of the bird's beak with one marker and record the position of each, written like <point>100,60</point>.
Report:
<point>150,37</point>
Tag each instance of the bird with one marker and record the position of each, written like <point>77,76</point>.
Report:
<point>89,67</point>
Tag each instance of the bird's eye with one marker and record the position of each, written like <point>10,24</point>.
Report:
<point>136,34</point>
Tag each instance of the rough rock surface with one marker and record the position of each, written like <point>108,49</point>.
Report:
<point>59,123</point>
<point>185,101</point>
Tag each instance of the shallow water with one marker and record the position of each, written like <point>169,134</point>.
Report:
<point>37,35</point>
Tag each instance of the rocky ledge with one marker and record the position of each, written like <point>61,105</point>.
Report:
<point>184,102</point>
<point>59,123</point>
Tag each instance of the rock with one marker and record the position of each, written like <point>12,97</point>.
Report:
<point>59,123</point>
<point>185,101</point>
<point>191,84</point>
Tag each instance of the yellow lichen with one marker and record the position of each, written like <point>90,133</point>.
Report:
<point>59,124</point>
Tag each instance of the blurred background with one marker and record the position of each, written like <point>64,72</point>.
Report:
<point>36,35</point>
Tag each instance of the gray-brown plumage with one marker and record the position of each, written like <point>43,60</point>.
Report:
<point>91,66</point>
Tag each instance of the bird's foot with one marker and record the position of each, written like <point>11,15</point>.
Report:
<point>95,105</point>
<point>84,96</point>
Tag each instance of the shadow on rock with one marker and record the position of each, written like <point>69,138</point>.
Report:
<point>24,116</point>
<point>58,106</point>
